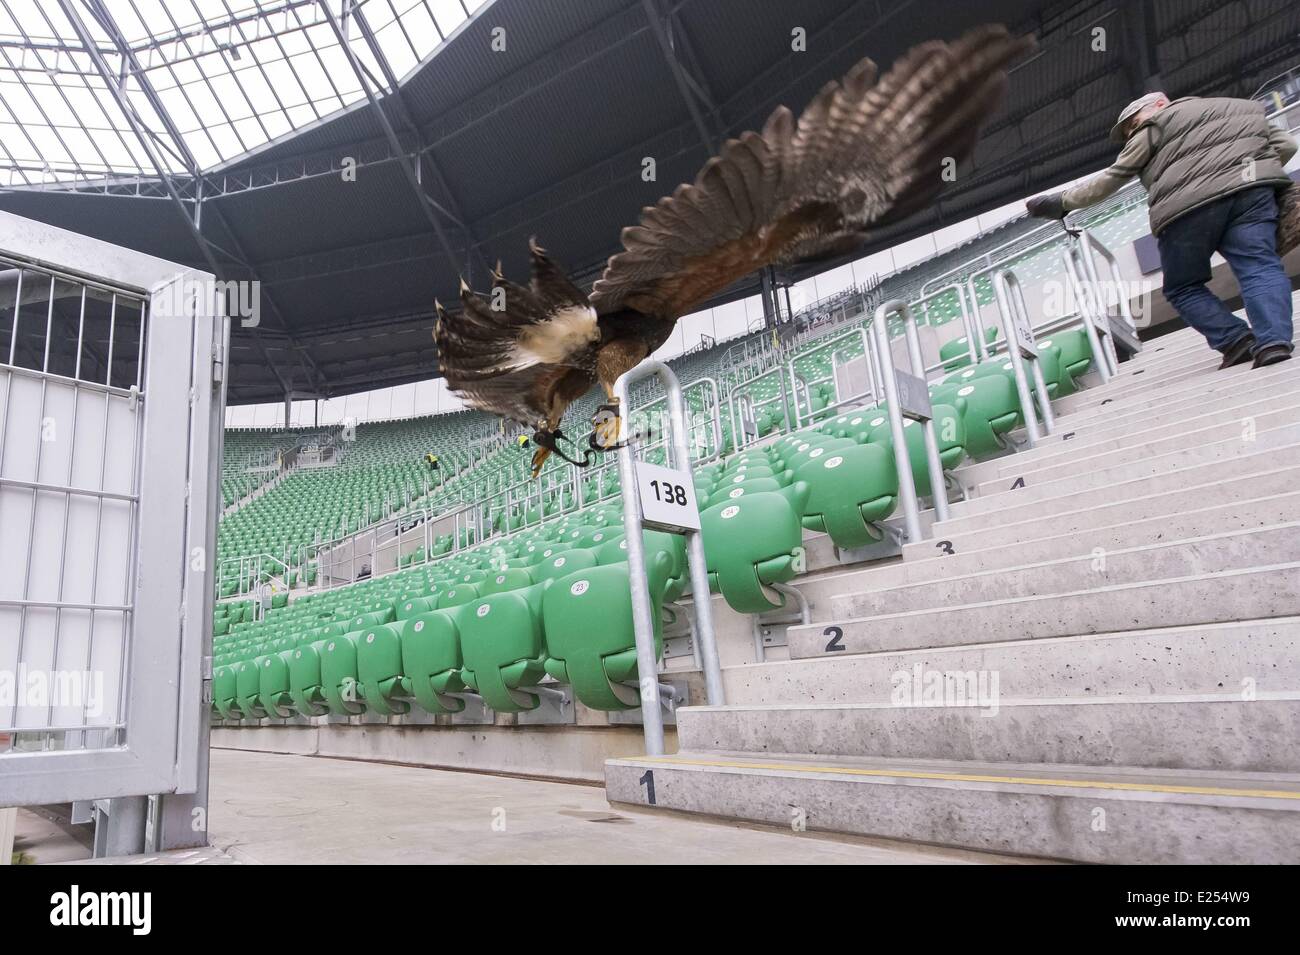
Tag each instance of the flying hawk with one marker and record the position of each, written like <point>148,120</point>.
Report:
<point>863,154</point>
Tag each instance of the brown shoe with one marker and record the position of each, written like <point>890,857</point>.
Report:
<point>1237,352</point>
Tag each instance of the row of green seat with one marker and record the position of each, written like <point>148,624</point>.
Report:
<point>558,607</point>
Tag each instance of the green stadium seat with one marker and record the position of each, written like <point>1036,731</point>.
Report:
<point>273,684</point>
<point>305,687</point>
<point>457,595</point>
<point>565,562</point>
<point>753,541</point>
<point>431,661</point>
<point>508,579</point>
<point>338,672</point>
<point>225,692</point>
<point>503,650</point>
<point>248,690</point>
<point>850,490</point>
<point>379,668</point>
<point>590,640</point>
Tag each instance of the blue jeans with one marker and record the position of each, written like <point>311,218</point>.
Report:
<point>1241,227</point>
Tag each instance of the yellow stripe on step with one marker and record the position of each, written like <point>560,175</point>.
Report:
<point>975,778</point>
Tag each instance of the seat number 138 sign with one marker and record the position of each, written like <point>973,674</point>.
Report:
<point>667,498</point>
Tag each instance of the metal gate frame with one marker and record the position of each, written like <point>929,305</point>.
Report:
<point>163,746</point>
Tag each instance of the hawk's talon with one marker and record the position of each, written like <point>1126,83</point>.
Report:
<point>546,443</point>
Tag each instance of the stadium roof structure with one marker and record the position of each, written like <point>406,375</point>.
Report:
<point>356,156</point>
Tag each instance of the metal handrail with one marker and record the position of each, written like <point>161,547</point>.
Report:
<point>642,612</point>
<point>975,344</point>
<point>873,393</point>
<point>938,490</point>
<point>902,464</point>
<point>736,434</point>
<point>1095,315</point>
<point>1019,346</point>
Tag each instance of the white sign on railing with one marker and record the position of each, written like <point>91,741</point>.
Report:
<point>667,498</point>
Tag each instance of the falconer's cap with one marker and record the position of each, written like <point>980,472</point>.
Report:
<point>1128,112</point>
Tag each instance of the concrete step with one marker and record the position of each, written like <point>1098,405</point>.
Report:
<point>1252,593</point>
<point>1139,387</point>
<point>1163,350</point>
<point>1220,733</point>
<point>1132,415</point>
<point>1112,815</point>
<point>1168,371</point>
<point>1084,570</point>
<point>1231,434</point>
<point>1204,398</point>
<point>1135,430</point>
<point>1233,456</point>
<point>1165,516</point>
<point>1140,383</point>
<point>1164,365</point>
<point>1257,475</point>
<point>1253,655</point>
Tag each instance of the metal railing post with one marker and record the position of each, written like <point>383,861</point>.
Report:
<point>981,346</point>
<point>1012,306</point>
<point>1089,245</point>
<point>902,462</point>
<point>1017,362</point>
<point>1089,309</point>
<point>969,320</point>
<point>938,490</point>
<point>642,611</point>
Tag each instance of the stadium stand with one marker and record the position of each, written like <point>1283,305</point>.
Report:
<point>994,563</point>
<point>528,602</point>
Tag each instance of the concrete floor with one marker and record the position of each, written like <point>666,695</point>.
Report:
<point>271,808</point>
<point>44,835</point>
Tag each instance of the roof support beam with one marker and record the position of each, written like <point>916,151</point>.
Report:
<point>410,171</point>
<point>115,86</point>
<point>687,88</point>
<point>602,40</point>
<point>393,93</point>
<point>305,360</point>
<point>132,66</point>
<point>1142,64</point>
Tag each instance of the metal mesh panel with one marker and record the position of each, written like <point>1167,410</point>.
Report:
<point>71,359</point>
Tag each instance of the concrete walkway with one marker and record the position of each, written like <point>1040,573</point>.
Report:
<point>272,808</point>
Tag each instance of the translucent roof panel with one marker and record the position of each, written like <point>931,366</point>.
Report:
<point>227,75</point>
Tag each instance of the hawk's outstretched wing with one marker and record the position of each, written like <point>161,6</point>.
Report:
<point>512,353</point>
<point>863,154</point>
